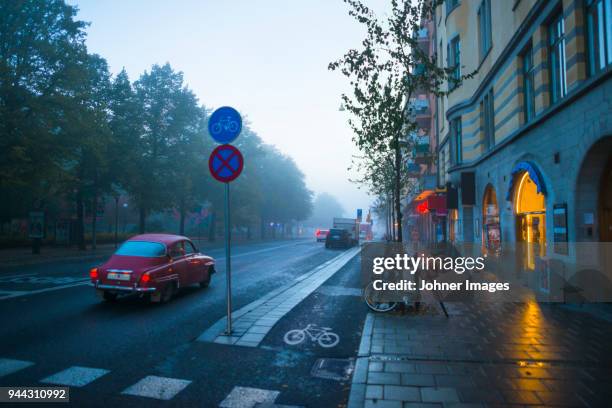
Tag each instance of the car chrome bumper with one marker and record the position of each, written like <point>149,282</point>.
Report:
<point>103,286</point>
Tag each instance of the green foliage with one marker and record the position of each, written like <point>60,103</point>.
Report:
<point>69,131</point>
<point>385,74</point>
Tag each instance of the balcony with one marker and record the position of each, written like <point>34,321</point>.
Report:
<point>421,152</point>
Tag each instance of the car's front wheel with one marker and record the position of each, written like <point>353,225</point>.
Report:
<point>204,283</point>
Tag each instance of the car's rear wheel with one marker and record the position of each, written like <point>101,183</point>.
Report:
<point>168,292</point>
<point>109,296</point>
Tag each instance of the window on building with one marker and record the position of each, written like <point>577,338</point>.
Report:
<point>488,120</point>
<point>484,28</point>
<point>528,84</point>
<point>599,34</point>
<point>456,142</point>
<point>453,58</point>
<point>450,5</point>
<point>556,57</point>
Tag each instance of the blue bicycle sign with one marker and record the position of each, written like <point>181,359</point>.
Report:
<point>225,124</point>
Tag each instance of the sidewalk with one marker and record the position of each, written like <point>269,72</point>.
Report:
<point>484,355</point>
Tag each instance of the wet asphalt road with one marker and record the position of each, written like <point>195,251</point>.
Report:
<point>133,339</point>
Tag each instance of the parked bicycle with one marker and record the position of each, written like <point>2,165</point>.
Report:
<point>322,335</point>
<point>377,302</point>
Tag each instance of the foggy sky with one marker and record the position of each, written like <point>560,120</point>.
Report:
<point>267,58</point>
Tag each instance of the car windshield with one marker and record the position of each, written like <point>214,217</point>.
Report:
<point>336,232</point>
<point>142,248</point>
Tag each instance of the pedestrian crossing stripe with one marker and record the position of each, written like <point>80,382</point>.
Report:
<point>161,388</point>
<point>247,397</point>
<point>75,376</point>
<point>10,366</point>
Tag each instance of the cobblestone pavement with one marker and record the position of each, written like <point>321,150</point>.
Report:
<point>484,355</point>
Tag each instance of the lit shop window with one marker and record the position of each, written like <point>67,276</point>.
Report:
<point>530,209</point>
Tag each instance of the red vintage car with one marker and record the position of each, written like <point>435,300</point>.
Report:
<point>157,265</point>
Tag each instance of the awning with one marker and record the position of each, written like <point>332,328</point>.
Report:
<point>428,201</point>
<point>534,174</point>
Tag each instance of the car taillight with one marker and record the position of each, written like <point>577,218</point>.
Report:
<point>93,273</point>
<point>318,231</point>
<point>145,278</point>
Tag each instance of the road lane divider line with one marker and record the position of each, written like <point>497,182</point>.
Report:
<point>85,281</point>
<point>253,321</point>
<point>259,251</point>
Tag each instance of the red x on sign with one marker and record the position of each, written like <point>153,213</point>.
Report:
<point>225,163</point>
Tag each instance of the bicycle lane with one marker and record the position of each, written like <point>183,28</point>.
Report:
<point>338,307</point>
<point>274,372</point>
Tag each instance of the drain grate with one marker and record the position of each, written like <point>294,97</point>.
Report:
<point>338,369</point>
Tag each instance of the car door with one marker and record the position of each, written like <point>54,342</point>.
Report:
<point>194,269</point>
<point>177,253</point>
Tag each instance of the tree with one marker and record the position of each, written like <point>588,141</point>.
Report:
<point>385,75</point>
<point>159,94</point>
<point>86,125</point>
<point>285,195</point>
<point>187,157</point>
<point>42,56</point>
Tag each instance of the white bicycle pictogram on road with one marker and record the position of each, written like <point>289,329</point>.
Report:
<point>322,335</point>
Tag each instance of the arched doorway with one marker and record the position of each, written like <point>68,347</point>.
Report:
<point>530,212</point>
<point>491,231</point>
<point>605,204</point>
<point>593,204</point>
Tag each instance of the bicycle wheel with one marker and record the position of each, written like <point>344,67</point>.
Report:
<point>293,337</point>
<point>328,340</point>
<point>371,298</point>
<point>233,126</point>
<point>216,128</point>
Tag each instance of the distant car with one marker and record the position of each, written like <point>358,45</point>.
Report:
<point>157,265</point>
<point>321,234</point>
<point>338,238</point>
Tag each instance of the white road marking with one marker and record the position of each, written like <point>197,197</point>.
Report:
<point>255,320</point>
<point>53,280</point>
<point>34,292</point>
<point>247,397</point>
<point>10,366</point>
<point>17,276</point>
<point>258,251</point>
<point>322,335</point>
<point>162,388</point>
<point>75,376</point>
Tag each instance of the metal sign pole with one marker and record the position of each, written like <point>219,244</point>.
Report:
<point>228,266</point>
